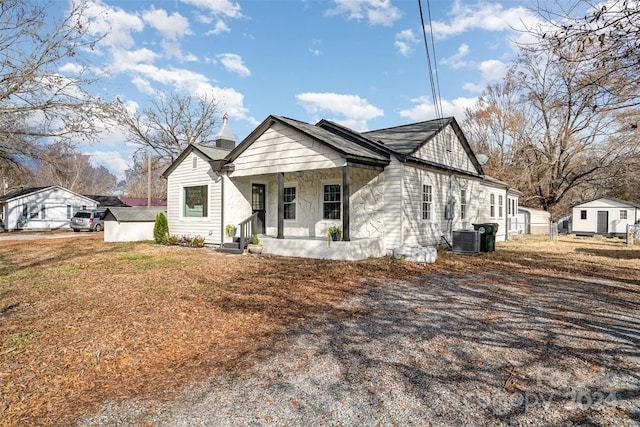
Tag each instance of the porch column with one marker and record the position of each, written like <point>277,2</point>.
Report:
<point>280,205</point>
<point>345,203</point>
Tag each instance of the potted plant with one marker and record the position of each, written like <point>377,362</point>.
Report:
<point>230,230</point>
<point>255,247</point>
<point>334,233</point>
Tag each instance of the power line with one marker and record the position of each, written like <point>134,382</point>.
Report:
<point>433,80</point>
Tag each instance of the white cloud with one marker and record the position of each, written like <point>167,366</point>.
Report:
<point>456,61</point>
<point>491,70</point>
<point>70,68</point>
<point>404,42</point>
<point>115,23</point>
<point>172,26</point>
<point>111,160</point>
<point>424,108</point>
<point>483,16</point>
<point>217,7</point>
<point>356,111</point>
<point>143,85</point>
<point>377,12</point>
<point>124,60</point>
<point>233,63</point>
<point>219,28</point>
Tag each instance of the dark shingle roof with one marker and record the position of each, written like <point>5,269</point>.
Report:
<point>21,192</point>
<point>133,214</point>
<point>406,139</point>
<point>213,153</point>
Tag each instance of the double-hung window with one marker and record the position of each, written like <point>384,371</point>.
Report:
<point>492,205</point>
<point>500,205</point>
<point>331,201</point>
<point>195,201</point>
<point>623,214</point>
<point>463,204</point>
<point>583,214</point>
<point>290,203</point>
<point>427,202</point>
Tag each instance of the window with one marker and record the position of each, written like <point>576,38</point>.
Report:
<point>43,212</point>
<point>427,201</point>
<point>69,211</point>
<point>34,211</point>
<point>25,211</point>
<point>290,203</point>
<point>500,205</point>
<point>623,214</point>
<point>331,201</point>
<point>194,164</point>
<point>195,201</point>
<point>583,214</point>
<point>463,204</point>
<point>492,205</point>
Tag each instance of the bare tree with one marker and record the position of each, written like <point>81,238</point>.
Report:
<point>40,103</point>
<point>170,124</point>
<point>606,39</point>
<point>137,178</point>
<point>61,165</point>
<point>560,142</point>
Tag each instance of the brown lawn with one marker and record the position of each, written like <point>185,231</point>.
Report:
<point>84,322</point>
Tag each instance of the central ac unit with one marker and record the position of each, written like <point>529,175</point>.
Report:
<point>466,241</point>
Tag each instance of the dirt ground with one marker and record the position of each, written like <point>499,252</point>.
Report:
<point>84,323</point>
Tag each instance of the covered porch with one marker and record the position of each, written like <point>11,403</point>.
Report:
<point>319,248</point>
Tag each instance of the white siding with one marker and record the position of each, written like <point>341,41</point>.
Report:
<point>446,149</point>
<point>54,200</point>
<point>281,149</point>
<point>393,203</point>
<point>612,207</point>
<point>185,175</point>
<point>115,231</point>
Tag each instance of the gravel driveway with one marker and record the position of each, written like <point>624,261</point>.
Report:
<point>447,349</point>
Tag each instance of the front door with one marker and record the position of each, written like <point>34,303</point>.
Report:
<point>258,205</point>
<point>603,222</point>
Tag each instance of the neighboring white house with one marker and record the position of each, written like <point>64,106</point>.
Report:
<point>533,221</point>
<point>41,208</point>
<point>604,216</point>
<point>406,186</point>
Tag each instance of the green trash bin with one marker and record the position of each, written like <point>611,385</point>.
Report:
<point>488,233</point>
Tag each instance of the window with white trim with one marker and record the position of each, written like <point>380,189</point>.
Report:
<point>331,201</point>
<point>34,211</point>
<point>289,197</point>
<point>427,202</point>
<point>463,204</point>
<point>195,201</point>
<point>500,205</point>
<point>43,212</point>
<point>583,214</point>
<point>623,214</point>
<point>492,205</point>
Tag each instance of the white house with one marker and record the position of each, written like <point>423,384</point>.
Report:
<point>41,208</point>
<point>289,181</point>
<point>604,216</point>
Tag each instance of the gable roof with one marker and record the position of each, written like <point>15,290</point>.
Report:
<point>613,199</point>
<point>106,200</point>
<point>143,201</point>
<point>406,140</point>
<point>212,154</point>
<point>33,190</point>
<point>123,214</point>
<point>357,152</point>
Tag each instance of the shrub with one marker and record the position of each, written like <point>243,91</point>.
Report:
<point>172,240</point>
<point>161,229</point>
<point>197,242</point>
<point>255,240</point>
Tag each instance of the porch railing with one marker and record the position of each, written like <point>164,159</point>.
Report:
<point>246,230</point>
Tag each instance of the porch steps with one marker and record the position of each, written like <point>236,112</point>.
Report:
<point>231,247</point>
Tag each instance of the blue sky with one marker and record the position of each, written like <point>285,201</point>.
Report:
<point>361,63</point>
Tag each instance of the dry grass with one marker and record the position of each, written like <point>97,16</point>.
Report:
<point>86,322</point>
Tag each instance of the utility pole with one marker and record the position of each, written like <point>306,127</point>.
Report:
<point>148,178</point>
